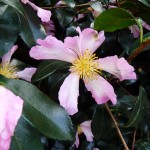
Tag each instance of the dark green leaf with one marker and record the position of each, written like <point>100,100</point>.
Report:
<point>101,123</point>
<point>114,19</point>
<point>145,2</point>
<point>25,137</point>
<point>30,27</point>
<point>70,3</point>
<point>48,67</point>
<point>9,28</point>
<point>64,16</point>
<point>136,44</point>
<point>139,110</point>
<point>47,116</point>
<point>142,145</point>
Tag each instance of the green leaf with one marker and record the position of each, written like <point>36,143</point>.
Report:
<point>114,19</point>
<point>101,123</point>
<point>145,2</point>
<point>48,67</point>
<point>30,27</point>
<point>70,3</point>
<point>65,16</point>
<point>142,145</point>
<point>139,110</point>
<point>136,44</point>
<point>9,28</point>
<point>47,116</point>
<point>25,137</point>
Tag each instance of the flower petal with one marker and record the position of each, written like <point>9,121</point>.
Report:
<point>45,15</point>
<point>26,74</point>
<point>73,44</point>
<point>118,67</point>
<point>24,1</point>
<point>86,129</point>
<point>135,30</point>
<point>10,111</point>
<point>8,55</point>
<point>145,25</point>
<point>51,48</point>
<point>101,90</point>
<point>69,92</point>
<point>90,39</point>
<point>77,142</point>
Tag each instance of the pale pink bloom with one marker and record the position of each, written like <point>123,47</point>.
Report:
<point>79,51</point>
<point>96,149</point>
<point>10,112</point>
<point>8,69</point>
<point>85,128</point>
<point>45,15</point>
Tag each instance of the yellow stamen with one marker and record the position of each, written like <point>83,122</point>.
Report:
<point>79,130</point>
<point>8,70</point>
<point>86,66</point>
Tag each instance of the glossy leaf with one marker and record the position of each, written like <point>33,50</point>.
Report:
<point>136,44</point>
<point>48,67</point>
<point>25,137</point>
<point>30,27</point>
<point>145,2</point>
<point>47,116</point>
<point>101,123</point>
<point>9,28</point>
<point>142,145</point>
<point>70,3</point>
<point>139,110</point>
<point>114,19</point>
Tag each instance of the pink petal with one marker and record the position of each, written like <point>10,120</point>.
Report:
<point>69,92</point>
<point>86,129</point>
<point>90,39</point>
<point>101,90</point>
<point>45,15</point>
<point>24,1</point>
<point>118,67</point>
<point>145,25</point>
<point>10,112</point>
<point>135,30</point>
<point>51,48</point>
<point>4,144</point>
<point>8,55</point>
<point>77,142</point>
<point>73,44</point>
<point>26,74</point>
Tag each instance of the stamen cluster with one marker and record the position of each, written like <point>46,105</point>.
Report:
<point>86,66</point>
<point>8,70</point>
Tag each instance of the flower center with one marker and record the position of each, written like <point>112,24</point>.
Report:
<point>86,66</point>
<point>79,130</point>
<point>8,70</point>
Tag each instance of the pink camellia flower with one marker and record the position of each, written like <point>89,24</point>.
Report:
<point>79,51</point>
<point>8,69</point>
<point>85,128</point>
<point>10,112</point>
<point>42,13</point>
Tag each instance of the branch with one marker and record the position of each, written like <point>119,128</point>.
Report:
<point>116,125</point>
<point>138,50</point>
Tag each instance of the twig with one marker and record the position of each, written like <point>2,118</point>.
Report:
<point>116,125</point>
<point>138,50</point>
<point>134,135</point>
<point>65,6</point>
